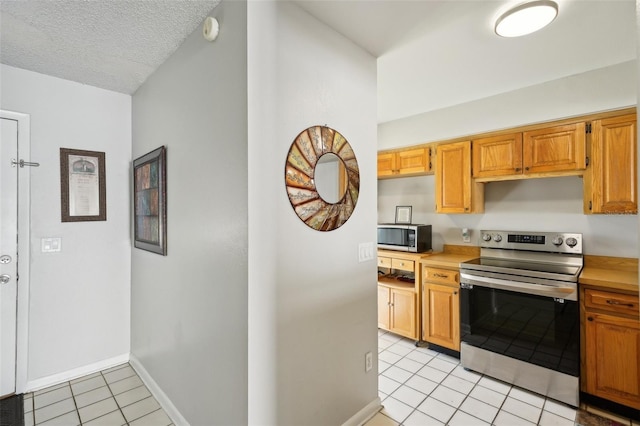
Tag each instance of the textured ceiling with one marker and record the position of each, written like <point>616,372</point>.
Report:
<point>431,53</point>
<point>113,45</point>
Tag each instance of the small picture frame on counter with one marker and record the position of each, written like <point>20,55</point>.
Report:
<point>403,215</point>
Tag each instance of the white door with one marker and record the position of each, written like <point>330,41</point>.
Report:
<point>8,254</point>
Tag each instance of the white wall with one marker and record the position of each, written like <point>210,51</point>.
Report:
<point>603,89</point>
<point>553,204</point>
<point>312,305</point>
<point>189,309</point>
<point>79,297</point>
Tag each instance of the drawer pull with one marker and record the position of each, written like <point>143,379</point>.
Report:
<point>618,303</point>
<point>437,275</point>
<point>590,318</point>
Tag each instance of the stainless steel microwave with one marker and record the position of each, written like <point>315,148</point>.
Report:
<point>411,238</point>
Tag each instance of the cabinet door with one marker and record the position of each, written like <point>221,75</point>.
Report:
<point>614,166</point>
<point>413,161</point>
<point>612,354</point>
<point>441,310</point>
<point>455,191</point>
<point>497,156</point>
<point>386,164</point>
<point>383,307</point>
<point>554,149</point>
<point>403,313</point>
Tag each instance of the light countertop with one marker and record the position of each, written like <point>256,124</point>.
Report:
<point>447,260</point>
<point>609,279</point>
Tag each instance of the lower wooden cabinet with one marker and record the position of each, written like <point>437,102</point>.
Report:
<point>611,352</point>
<point>441,307</point>
<point>397,311</point>
<point>399,279</point>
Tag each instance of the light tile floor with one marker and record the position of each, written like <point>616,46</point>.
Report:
<point>112,397</point>
<point>419,386</point>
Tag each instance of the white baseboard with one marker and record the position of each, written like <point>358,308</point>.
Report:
<point>54,379</point>
<point>164,401</point>
<point>364,415</point>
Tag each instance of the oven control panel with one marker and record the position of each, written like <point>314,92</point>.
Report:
<point>558,242</point>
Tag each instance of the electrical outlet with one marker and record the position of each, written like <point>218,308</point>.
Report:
<point>466,236</point>
<point>368,361</point>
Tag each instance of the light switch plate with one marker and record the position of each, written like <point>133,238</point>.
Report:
<point>50,245</point>
<point>365,252</point>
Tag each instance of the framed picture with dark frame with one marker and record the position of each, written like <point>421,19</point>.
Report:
<point>403,215</point>
<point>83,191</point>
<point>150,201</point>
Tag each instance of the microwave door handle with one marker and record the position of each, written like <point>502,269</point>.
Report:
<point>530,288</point>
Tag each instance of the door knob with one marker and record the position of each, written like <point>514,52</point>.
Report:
<point>4,278</point>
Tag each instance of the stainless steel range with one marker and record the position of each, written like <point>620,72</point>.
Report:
<point>519,311</point>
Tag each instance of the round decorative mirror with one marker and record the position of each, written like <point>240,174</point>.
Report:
<point>322,178</point>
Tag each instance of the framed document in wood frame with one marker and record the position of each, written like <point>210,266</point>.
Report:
<point>150,202</point>
<point>83,192</point>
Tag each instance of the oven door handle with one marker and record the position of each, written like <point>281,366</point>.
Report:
<point>561,292</point>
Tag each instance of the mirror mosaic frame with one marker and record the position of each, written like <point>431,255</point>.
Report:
<point>304,153</point>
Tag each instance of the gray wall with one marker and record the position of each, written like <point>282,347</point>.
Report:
<point>312,305</point>
<point>78,297</point>
<point>553,204</point>
<point>189,309</point>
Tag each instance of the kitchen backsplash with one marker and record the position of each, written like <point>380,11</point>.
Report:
<point>548,204</point>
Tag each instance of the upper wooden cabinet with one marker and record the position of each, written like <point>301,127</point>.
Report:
<point>497,155</point>
<point>403,163</point>
<point>456,191</point>
<point>610,180</point>
<point>554,149</point>
<point>550,151</point>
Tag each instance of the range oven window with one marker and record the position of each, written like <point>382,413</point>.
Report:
<point>534,329</point>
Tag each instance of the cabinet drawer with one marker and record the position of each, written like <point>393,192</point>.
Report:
<point>403,265</point>
<point>443,276</point>
<point>614,302</point>
<point>384,262</point>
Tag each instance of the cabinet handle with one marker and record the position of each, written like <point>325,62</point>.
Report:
<point>590,318</point>
<point>455,292</point>
<point>518,169</point>
<point>618,303</point>
<point>526,169</point>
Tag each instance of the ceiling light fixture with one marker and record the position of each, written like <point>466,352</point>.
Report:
<point>526,18</point>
